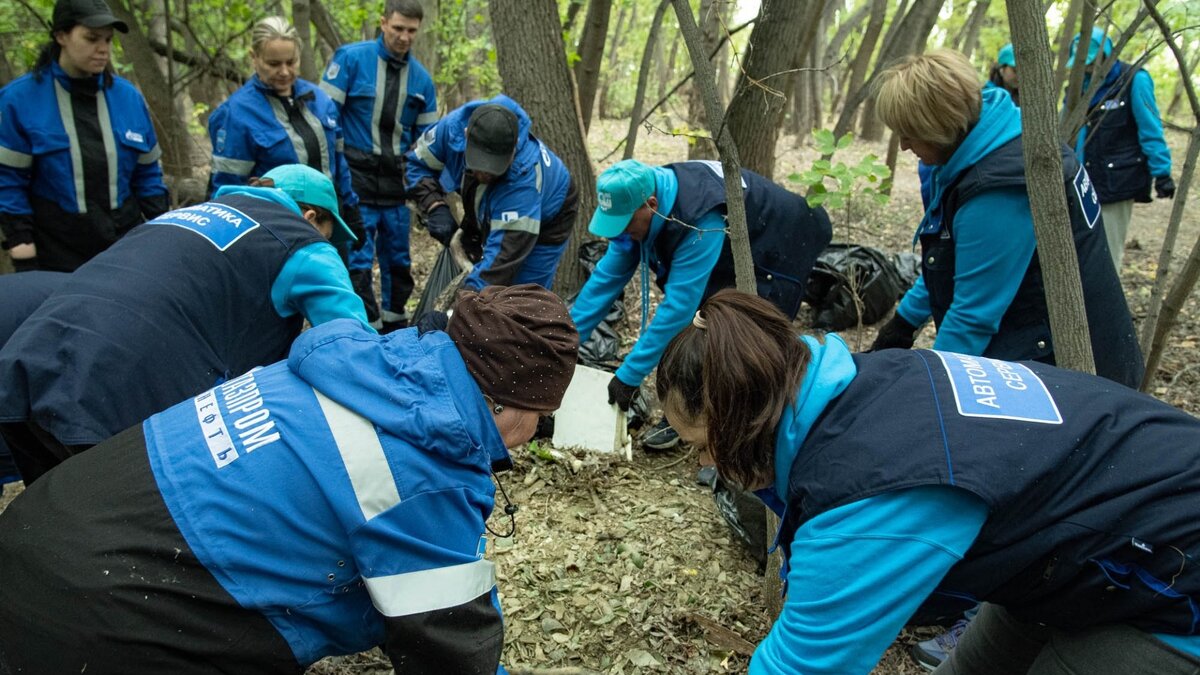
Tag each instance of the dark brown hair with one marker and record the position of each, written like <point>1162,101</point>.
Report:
<point>736,375</point>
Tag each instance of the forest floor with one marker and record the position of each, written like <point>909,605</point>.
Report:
<point>626,567</point>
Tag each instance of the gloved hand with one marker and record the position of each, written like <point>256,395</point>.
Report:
<point>895,334</point>
<point>1164,187</point>
<point>620,393</point>
<point>472,244</point>
<point>354,221</point>
<point>432,321</point>
<point>441,225</point>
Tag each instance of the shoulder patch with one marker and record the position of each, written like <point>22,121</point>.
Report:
<point>508,216</point>
<point>986,387</point>
<point>220,224</point>
<point>332,71</point>
<point>131,135</point>
<point>1089,201</point>
<point>220,145</point>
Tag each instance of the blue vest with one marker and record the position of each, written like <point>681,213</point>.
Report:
<point>1091,488</point>
<point>1113,155</point>
<point>786,234</point>
<point>1024,331</point>
<point>180,304</point>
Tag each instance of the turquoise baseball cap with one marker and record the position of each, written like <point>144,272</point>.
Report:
<point>1098,40</point>
<point>620,190</point>
<point>1006,56</point>
<point>306,185</point>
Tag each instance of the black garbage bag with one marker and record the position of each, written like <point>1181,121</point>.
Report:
<point>850,282</point>
<point>446,271</point>
<point>745,514</point>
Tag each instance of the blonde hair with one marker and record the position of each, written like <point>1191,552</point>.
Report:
<point>272,28</point>
<point>932,97</point>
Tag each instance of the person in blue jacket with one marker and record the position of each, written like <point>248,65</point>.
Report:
<point>293,512</point>
<point>188,300</point>
<point>277,118</point>
<point>911,483</point>
<point>1004,73</point>
<point>78,154</point>
<point>671,219</point>
<point>519,199</point>
<point>386,99</point>
<point>1122,143</point>
<point>981,278</point>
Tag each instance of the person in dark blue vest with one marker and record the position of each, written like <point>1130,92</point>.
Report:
<point>519,199</point>
<point>191,299</point>
<point>981,278</point>
<point>1122,144</point>
<point>79,159</point>
<point>294,512</point>
<point>671,219</point>
<point>913,483</point>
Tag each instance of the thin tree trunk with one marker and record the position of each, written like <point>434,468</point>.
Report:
<point>302,20</point>
<point>893,155</point>
<point>1065,34</point>
<point>909,39</point>
<point>968,38</point>
<point>425,48</point>
<point>532,61</point>
<point>639,97</point>
<point>572,15</point>
<point>846,28</point>
<point>591,55</point>
<point>710,25</point>
<point>862,61</point>
<point>615,41</point>
<point>1047,201</point>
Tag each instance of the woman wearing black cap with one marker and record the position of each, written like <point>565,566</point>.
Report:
<point>78,155</point>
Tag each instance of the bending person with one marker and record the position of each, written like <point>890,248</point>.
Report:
<point>1064,502</point>
<point>293,512</point>
<point>193,298</point>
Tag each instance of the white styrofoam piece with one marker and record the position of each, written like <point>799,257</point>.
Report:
<point>586,419</point>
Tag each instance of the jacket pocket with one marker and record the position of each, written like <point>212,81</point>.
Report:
<point>46,141</point>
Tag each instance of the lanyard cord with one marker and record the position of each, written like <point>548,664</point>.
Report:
<point>510,510</point>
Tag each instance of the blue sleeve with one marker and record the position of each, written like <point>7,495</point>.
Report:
<point>147,177</point>
<point>16,157</point>
<point>857,573</point>
<point>337,78</point>
<point>914,306</point>
<point>429,115</point>
<point>315,284</point>
<point>428,155</point>
<point>993,245</point>
<point>232,160</point>
<point>693,263</point>
<point>1149,124</point>
<point>596,297</point>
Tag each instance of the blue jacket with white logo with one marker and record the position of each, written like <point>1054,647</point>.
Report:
<point>374,489</point>
<point>357,79</point>
<point>517,212</point>
<point>252,133</point>
<point>44,169</point>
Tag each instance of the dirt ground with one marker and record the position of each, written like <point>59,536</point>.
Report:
<point>626,567</point>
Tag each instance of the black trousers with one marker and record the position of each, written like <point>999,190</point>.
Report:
<point>97,578</point>
<point>34,450</point>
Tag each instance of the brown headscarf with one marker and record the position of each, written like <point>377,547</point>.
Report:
<point>518,342</point>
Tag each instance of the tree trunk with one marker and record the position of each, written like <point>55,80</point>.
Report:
<point>7,72</point>
<point>531,57</point>
<point>591,55</point>
<point>1047,201</point>
<point>968,38</point>
<point>848,26</point>
<point>425,47</point>
<point>910,38</point>
<point>572,15</point>
<point>615,41</point>
<point>172,130</point>
<point>782,36</point>
<point>710,26</point>
<point>639,97</point>
<point>862,61</point>
<point>1065,34</point>
<point>302,20</point>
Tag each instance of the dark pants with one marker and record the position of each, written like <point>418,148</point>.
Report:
<point>34,450</point>
<point>996,643</point>
<point>98,579</point>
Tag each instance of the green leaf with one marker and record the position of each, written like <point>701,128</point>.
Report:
<point>821,165</point>
<point>836,200</point>
<point>816,198</point>
<point>845,141</point>
<point>795,177</point>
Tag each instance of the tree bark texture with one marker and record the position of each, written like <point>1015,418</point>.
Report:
<point>591,56</point>
<point>616,41</point>
<point>639,97</point>
<point>784,30</point>
<point>425,47</point>
<point>302,20</point>
<point>710,27</point>
<point>531,57</point>
<point>968,37</point>
<point>1047,201</point>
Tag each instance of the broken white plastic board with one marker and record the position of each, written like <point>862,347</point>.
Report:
<point>586,420</point>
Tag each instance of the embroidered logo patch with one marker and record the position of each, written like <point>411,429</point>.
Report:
<point>605,200</point>
<point>508,216</point>
<point>332,71</point>
<point>134,136</point>
<point>221,140</point>
<point>998,389</point>
<point>1089,201</point>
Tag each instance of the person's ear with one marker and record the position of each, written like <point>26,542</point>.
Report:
<point>652,202</point>
<point>311,216</point>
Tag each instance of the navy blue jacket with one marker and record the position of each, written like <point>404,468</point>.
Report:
<point>1124,142</point>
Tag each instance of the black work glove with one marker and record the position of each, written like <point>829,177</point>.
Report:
<point>432,321</point>
<point>1164,187</point>
<point>25,265</point>
<point>441,225</point>
<point>353,218</point>
<point>620,393</point>
<point>472,244</point>
<point>895,334</point>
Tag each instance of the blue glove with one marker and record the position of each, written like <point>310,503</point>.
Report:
<point>441,225</point>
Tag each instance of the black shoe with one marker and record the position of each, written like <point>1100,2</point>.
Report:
<point>660,437</point>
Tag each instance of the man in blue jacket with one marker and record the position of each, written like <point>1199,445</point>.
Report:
<point>386,99</point>
<point>188,300</point>
<point>671,219</point>
<point>519,200</point>
<point>1122,144</point>
<point>294,512</point>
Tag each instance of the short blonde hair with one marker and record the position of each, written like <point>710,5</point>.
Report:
<point>272,28</point>
<point>932,97</point>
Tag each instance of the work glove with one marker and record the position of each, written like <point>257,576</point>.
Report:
<point>895,334</point>
<point>353,218</point>
<point>620,393</point>
<point>432,321</point>
<point>1164,187</point>
<point>472,244</point>
<point>25,265</point>
<point>441,225</point>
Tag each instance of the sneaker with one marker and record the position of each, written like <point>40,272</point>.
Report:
<point>660,437</point>
<point>930,653</point>
<point>707,475</point>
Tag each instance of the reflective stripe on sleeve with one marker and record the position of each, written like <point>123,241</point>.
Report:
<point>426,155</point>
<point>370,476</point>
<point>14,159</point>
<point>333,92</point>
<point>150,157</point>
<point>522,224</point>
<point>430,590</point>
<point>237,167</point>
<point>425,119</point>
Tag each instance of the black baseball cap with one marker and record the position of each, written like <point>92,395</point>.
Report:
<point>491,138</point>
<point>90,13</point>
